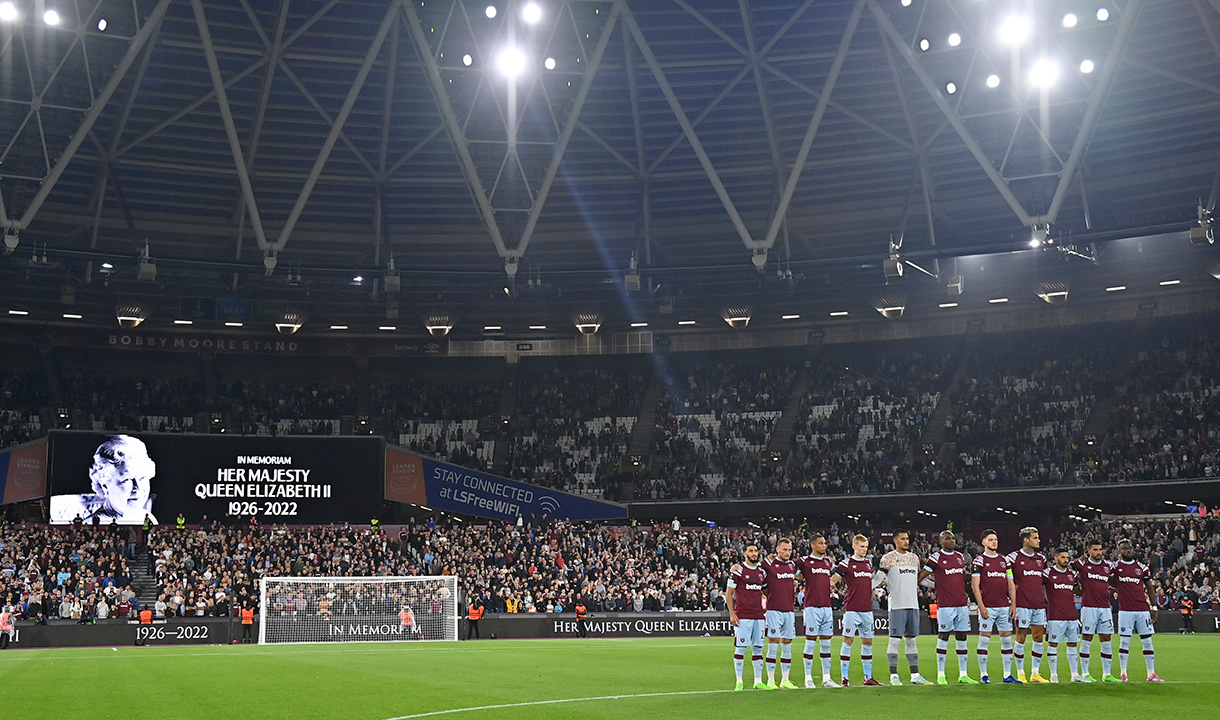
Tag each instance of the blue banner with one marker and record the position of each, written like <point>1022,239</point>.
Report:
<point>462,490</point>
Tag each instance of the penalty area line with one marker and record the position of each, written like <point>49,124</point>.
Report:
<point>454,711</point>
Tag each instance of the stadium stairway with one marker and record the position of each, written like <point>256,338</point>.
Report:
<point>508,409</point>
<point>641,433</point>
<point>781,434</point>
<point>143,583</point>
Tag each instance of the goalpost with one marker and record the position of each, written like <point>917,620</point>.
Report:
<point>357,609</point>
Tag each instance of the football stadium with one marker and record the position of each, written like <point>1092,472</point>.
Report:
<point>393,359</point>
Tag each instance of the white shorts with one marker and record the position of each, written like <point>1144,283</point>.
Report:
<point>1140,622</point>
<point>858,624</point>
<point>819,622</point>
<point>781,625</point>
<point>1063,631</point>
<point>904,622</point>
<point>999,619</point>
<point>1096,620</point>
<point>1029,616</point>
<point>749,632</point>
<point>953,619</point>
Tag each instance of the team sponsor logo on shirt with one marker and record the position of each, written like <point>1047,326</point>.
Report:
<point>994,574</point>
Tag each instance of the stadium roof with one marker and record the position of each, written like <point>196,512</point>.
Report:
<point>817,139</point>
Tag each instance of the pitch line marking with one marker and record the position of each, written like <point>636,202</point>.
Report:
<point>504,706</point>
<point>454,711</point>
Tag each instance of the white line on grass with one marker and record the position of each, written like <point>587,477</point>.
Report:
<point>298,649</point>
<point>453,711</point>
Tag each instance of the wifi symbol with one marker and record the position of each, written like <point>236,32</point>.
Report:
<point>549,504</point>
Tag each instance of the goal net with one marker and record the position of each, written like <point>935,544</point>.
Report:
<point>357,609</point>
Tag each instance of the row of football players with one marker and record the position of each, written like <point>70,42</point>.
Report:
<point>1020,596</point>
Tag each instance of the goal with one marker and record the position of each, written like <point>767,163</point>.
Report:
<point>357,609</point>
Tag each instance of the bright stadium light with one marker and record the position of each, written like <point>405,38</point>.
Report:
<point>924,45</point>
<point>50,17</point>
<point>1103,14</point>
<point>1069,20</point>
<point>993,81</point>
<point>1086,66</point>
<point>951,88</point>
<point>954,40</point>
<point>511,61</point>
<point>8,11</point>
<point>101,25</point>
<point>1044,73</point>
<point>549,63</point>
<point>1015,29</point>
<point>531,13</point>
<point>490,11</point>
<point>467,60</point>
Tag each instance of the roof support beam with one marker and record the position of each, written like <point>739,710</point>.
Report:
<point>457,137</point>
<point>260,114</point>
<point>190,108</point>
<point>921,152</point>
<point>336,127</point>
<point>644,237</point>
<point>133,51</point>
<point>569,127</point>
<point>1097,100</point>
<point>226,115</point>
<point>815,122</point>
<point>687,129</point>
<point>950,114</point>
<point>760,84</point>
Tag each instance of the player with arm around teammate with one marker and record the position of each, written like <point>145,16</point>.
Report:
<point>1027,565</point>
<point>900,567</point>
<point>744,596</point>
<point>856,573</point>
<point>816,569</point>
<point>1096,616</point>
<point>996,595</point>
<point>781,617</point>
<point>1063,622</point>
<point>947,567</point>
<point>1136,608</point>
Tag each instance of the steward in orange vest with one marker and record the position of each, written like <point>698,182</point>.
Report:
<point>247,624</point>
<point>473,616</point>
<point>581,615</point>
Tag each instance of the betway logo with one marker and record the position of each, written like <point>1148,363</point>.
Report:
<point>994,574</point>
<point>1098,578</point>
<point>753,586</point>
<point>1029,573</point>
<point>906,571</point>
<point>953,571</point>
<point>819,571</point>
<point>1062,586</point>
<point>1125,578</point>
<point>864,574</point>
<point>785,576</point>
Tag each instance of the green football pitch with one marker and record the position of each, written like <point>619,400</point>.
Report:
<point>603,678</point>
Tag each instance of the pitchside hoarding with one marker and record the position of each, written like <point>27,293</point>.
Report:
<point>297,480</point>
<point>23,473</point>
<point>423,481</point>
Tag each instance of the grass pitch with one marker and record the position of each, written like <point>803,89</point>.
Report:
<point>603,678</point>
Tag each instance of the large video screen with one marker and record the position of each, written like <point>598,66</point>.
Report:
<point>121,477</point>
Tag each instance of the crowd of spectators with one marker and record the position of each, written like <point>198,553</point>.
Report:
<point>1166,421</point>
<point>1013,411</point>
<point>83,574</point>
<point>76,573</point>
<point>857,421</point>
<point>572,426</point>
<point>23,395</point>
<point>713,427</point>
<point>1014,415</point>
